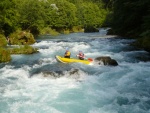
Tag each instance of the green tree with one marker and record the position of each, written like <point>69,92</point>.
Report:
<point>132,19</point>
<point>92,15</point>
<point>129,16</point>
<point>62,14</point>
<point>8,16</point>
<point>31,12</point>
<point>34,15</point>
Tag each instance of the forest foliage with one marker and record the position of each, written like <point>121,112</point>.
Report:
<point>34,15</point>
<point>131,18</point>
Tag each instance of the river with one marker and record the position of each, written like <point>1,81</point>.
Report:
<point>37,83</point>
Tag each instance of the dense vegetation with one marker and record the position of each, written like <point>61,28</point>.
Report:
<point>35,15</point>
<point>4,54</point>
<point>21,38</point>
<point>131,18</point>
<point>22,49</point>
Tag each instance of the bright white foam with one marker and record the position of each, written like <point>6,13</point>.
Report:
<point>96,92</point>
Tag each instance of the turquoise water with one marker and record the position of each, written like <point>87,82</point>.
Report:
<point>39,84</point>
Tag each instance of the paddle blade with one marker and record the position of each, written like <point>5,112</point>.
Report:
<point>90,59</point>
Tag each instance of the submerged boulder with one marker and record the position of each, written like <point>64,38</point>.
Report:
<point>106,60</point>
<point>52,74</point>
<point>71,73</point>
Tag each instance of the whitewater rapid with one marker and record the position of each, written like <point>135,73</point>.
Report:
<point>37,83</point>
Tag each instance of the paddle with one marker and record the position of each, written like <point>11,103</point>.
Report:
<point>90,59</point>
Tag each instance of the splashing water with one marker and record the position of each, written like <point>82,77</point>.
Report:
<point>39,84</point>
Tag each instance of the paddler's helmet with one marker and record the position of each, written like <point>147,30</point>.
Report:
<point>67,49</point>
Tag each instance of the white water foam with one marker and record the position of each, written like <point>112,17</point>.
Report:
<point>80,88</point>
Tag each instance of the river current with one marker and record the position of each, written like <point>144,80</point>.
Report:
<point>37,83</point>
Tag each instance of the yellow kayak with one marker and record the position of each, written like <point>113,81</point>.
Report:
<point>72,60</point>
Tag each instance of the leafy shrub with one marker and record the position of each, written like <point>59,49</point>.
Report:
<point>21,38</point>
<point>23,50</point>
<point>3,41</point>
<point>50,31</point>
<point>77,29</point>
<point>4,55</point>
<point>66,31</point>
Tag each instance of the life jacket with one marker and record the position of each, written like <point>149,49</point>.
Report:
<point>67,54</point>
<point>81,56</point>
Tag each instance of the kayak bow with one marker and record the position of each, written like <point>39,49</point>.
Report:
<point>72,60</point>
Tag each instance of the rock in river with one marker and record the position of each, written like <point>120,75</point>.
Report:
<point>106,60</point>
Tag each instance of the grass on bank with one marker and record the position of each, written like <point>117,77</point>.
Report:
<point>23,49</point>
<point>49,31</point>
<point>3,41</point>
<point>5,53</point>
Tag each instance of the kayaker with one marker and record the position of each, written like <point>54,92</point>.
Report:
<point>81,55</point>
<point>67,53</point>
